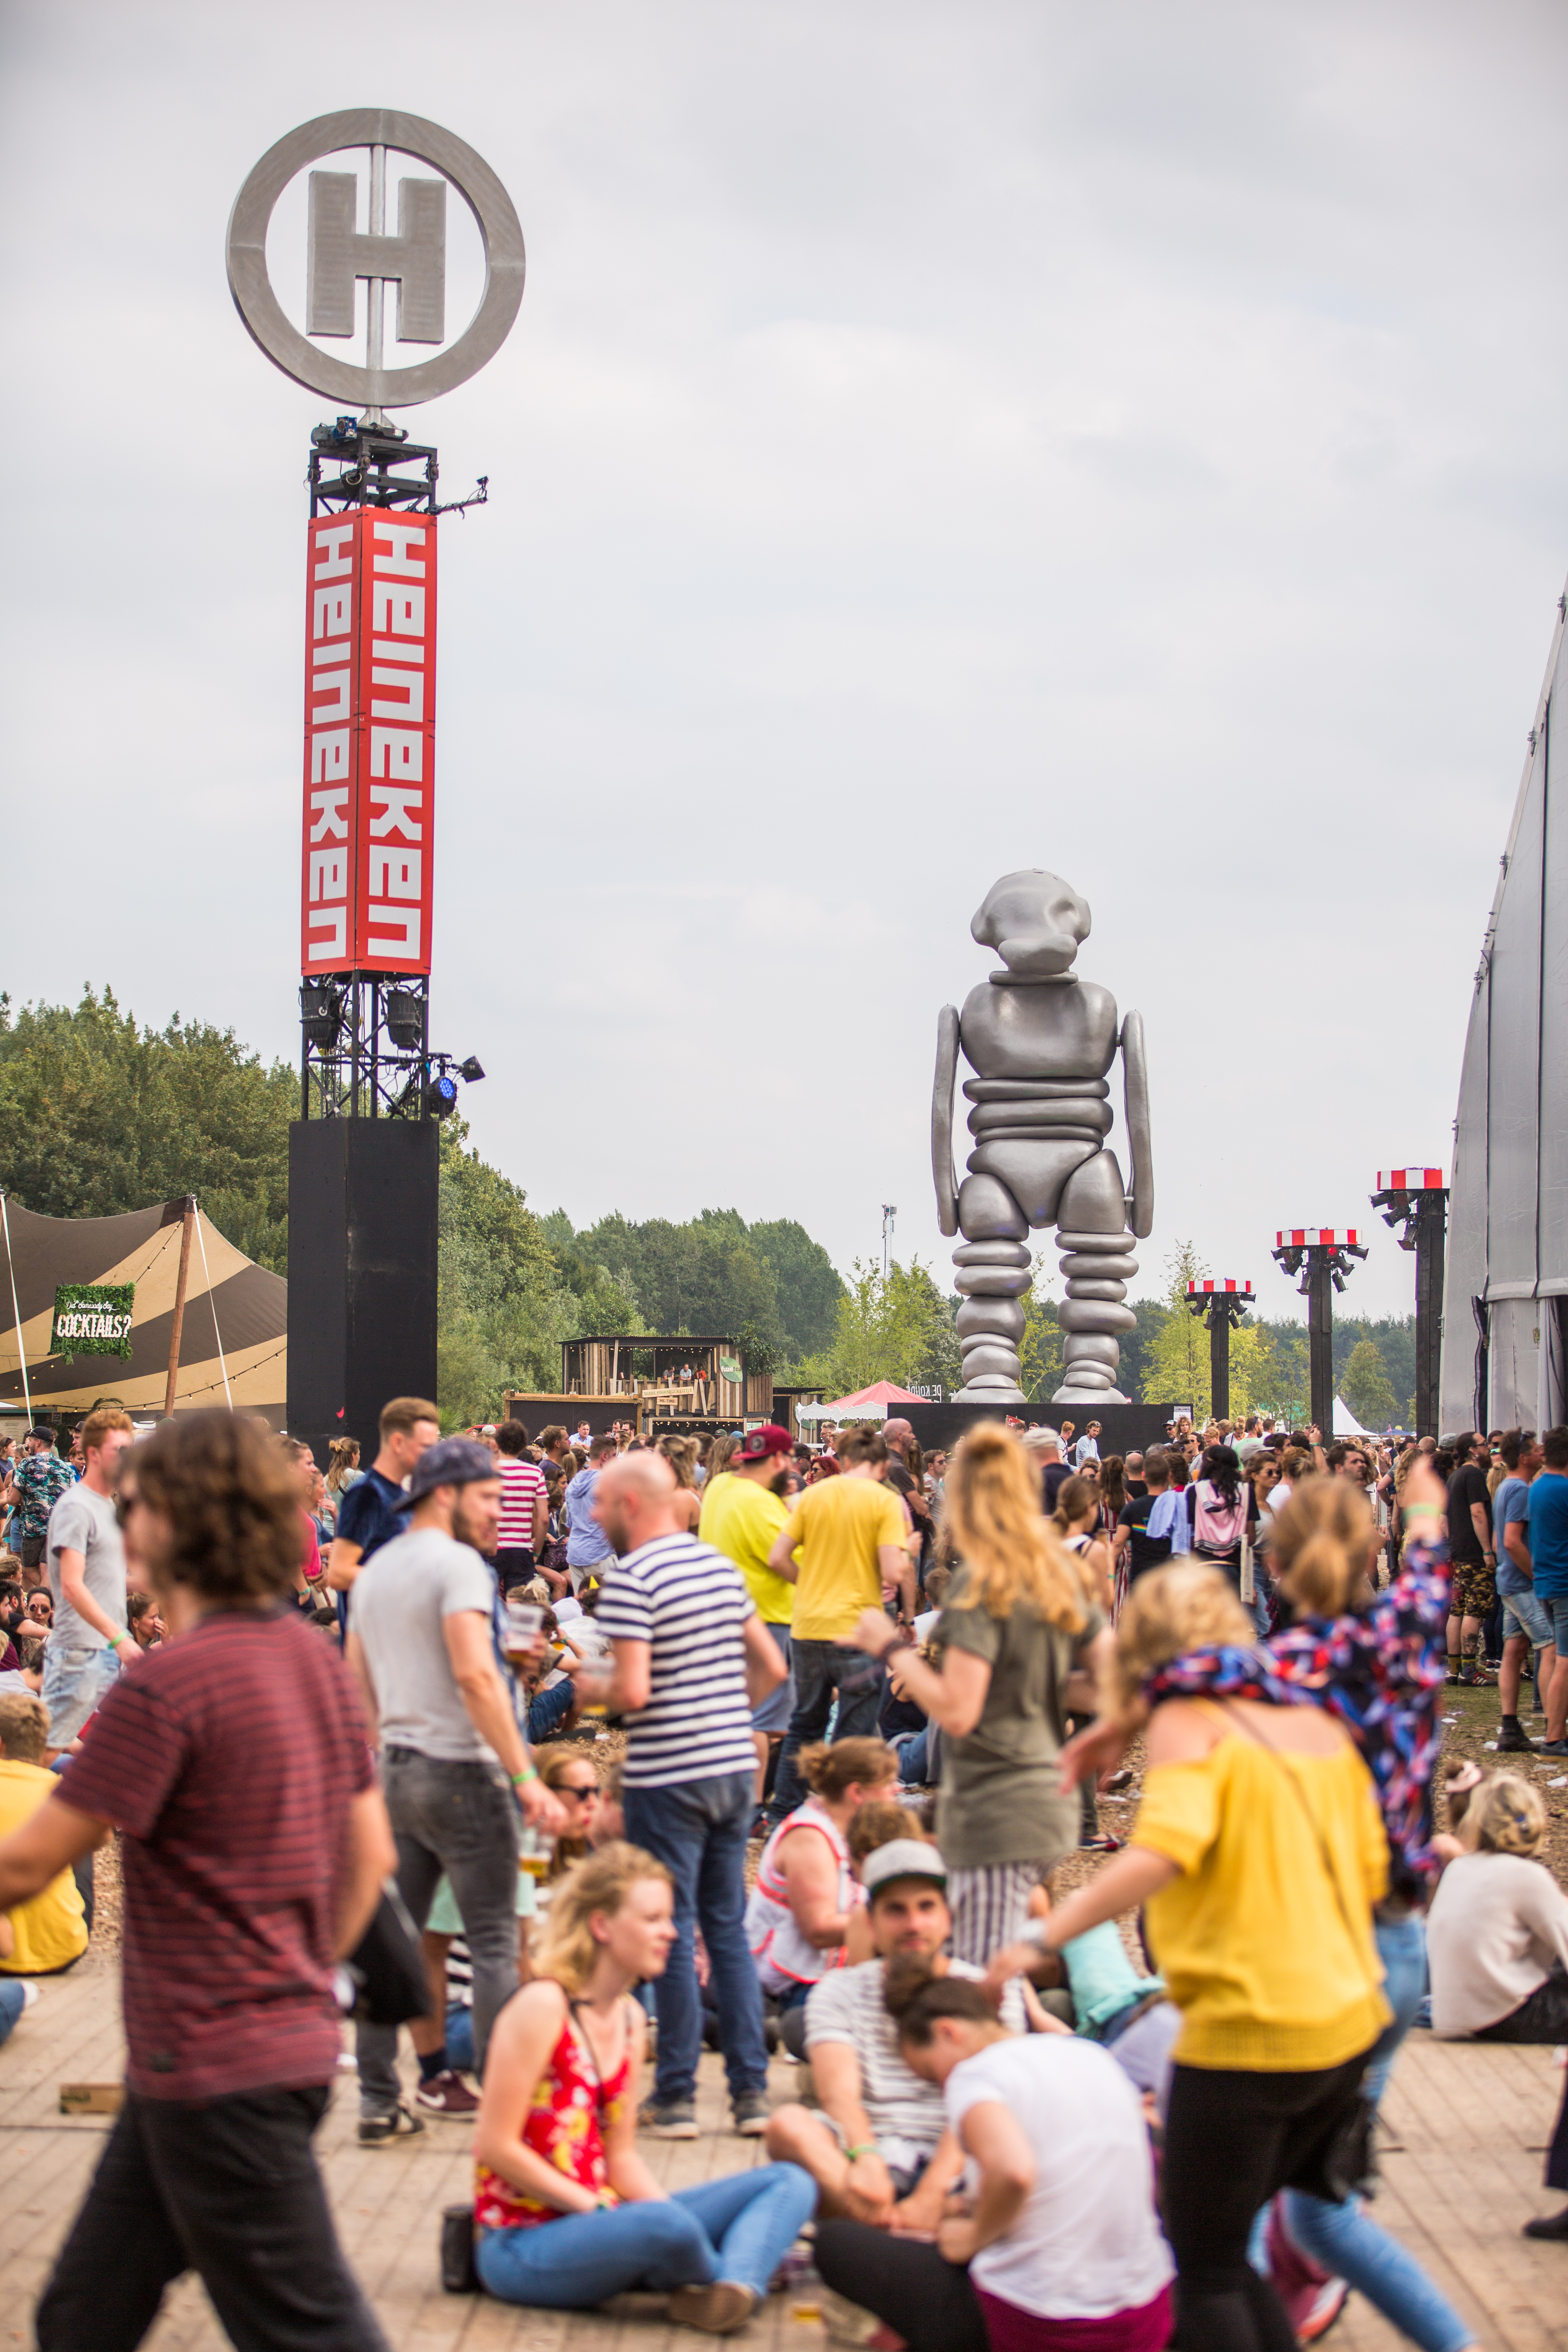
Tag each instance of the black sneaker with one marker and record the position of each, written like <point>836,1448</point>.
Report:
<point>678,2120</point>
<point>374,2131</point>
<point>1552,1747</point>
<point>1550,2225</point>
<point>750,2112</point>
<point>1514,1741</point>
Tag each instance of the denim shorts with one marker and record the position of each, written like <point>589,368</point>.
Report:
<point>1555,1605</point>
<point>75,1681</point>
<point>1522,1613</point>
<point>775,1710</point>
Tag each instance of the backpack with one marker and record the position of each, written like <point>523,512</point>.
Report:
<point>1217,1525</point>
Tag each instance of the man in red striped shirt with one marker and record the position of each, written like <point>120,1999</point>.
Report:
<point>233,1760</point>
<point>524,1509</point>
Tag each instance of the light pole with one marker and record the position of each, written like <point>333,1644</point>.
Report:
<point>1326,1255</point>
<point>1418,1198</point>
<point>1221,1306</point>
<point>888,1214</point>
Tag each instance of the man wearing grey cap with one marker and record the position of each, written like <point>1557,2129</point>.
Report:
<point>879,2150</point>
<point>455,1765</point>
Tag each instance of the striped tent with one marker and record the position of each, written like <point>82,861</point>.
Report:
<point>229,1303</point>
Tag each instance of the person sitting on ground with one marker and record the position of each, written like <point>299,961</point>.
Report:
<point>566,2214</point>
<point>17,1993</point>
<point>1497,1934</point>
<point>51,1929</point>
<point>877,2150</point>
<point>806,1891</point>
<point>147,1628</point>
<point>873,1825</point>
<point>1062,2246</point>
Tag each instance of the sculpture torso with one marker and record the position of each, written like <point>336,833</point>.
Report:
<point>1054,1029</point>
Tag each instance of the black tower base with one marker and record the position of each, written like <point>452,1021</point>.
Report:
<point>361,1272</point>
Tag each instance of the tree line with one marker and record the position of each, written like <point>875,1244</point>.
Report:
<point>98,1115</point>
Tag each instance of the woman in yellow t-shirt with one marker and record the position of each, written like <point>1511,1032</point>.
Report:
<point>1259,1851</point>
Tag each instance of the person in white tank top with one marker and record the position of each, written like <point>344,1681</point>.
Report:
<point>799,1909</point>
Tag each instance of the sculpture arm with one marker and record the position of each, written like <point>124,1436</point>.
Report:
<point>941,1120</point>
<point>1139,1145</point>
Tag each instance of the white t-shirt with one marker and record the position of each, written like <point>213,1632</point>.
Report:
<point>905,2113</point>
<point>1087,2243</point>
<point>1497,1922</point>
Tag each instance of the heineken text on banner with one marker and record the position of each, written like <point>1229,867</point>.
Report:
<point>370,742</point>
<point>93,1318</point>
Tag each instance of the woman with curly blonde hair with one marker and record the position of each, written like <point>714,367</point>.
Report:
<point>1018,1624</point>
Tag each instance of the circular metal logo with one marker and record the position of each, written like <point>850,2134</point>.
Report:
<point>416,258</point>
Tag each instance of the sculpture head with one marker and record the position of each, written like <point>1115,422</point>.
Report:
<point>1034,921</point>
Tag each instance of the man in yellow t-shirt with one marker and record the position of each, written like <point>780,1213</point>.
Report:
<point>744,1511</point>
<point>842,1545</point>
<point>51,1929</point>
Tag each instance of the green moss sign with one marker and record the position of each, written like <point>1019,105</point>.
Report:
<point>93,1318</point>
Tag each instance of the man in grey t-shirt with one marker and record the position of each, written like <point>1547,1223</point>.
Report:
<point>455,1765</point>
<point>86,1562</point>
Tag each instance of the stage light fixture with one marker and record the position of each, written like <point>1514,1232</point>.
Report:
<point>441,1095</point>
<point>471,1069</point>
<point>321,1012</point>
<point>403,1010</point>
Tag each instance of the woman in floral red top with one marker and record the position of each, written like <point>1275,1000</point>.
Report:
<point>566,2214</point>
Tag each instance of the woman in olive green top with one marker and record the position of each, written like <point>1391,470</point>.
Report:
<point>1018,1623</point>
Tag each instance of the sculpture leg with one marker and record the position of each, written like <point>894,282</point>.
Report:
<point>992,1278</point>
<point>1098,1261</point>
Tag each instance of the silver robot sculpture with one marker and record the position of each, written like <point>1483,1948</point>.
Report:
<point>1040,1041</point>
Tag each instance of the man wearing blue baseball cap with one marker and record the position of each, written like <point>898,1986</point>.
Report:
<point>455,1766</point>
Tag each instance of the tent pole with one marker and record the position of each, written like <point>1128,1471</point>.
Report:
<point>186,1231</point>
<point>217,1335</point>
<point>15,1310</point>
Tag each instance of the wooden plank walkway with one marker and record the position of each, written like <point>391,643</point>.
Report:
<point>1466,2125</point>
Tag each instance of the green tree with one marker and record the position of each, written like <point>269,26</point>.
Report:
<point>809,1285</point>
<point>1178,1354</point>
<point>1366,1387</point>
<point>888,1328</point>
<point>98,1116</point>
<point>1040,1350</point>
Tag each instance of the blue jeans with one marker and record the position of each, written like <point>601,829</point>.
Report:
<point>911,1753</point>
<point>1344,2240</point>
<point>739,2229</point>
<point>12,2000</point>
<point>820,1667</point>
<point>698,1829</point>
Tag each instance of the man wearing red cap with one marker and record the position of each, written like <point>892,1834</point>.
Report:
<point>742,1511</point>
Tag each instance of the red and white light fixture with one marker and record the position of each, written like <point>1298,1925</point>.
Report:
<point>1409,1180</point>
<point>1318,1237</point>
<point>1206,1289</point>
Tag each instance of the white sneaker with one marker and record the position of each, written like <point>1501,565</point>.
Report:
<point>30,1993</point>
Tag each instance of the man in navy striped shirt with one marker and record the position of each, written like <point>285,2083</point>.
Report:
<point>692,1658</point>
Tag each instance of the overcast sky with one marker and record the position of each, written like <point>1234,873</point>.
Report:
<point>937,440</point>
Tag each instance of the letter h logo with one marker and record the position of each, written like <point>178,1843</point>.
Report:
<point>416,257</point>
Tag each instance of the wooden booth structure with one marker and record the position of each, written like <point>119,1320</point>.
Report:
<point>658,1384</point>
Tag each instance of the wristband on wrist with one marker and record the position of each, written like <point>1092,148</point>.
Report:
<point>868,2149</point>
<point>529,1772</point>
<point>1422,1511</point>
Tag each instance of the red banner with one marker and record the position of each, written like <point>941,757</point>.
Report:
<point>370,742</point>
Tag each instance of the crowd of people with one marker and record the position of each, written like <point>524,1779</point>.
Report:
<point>572,1752</point>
